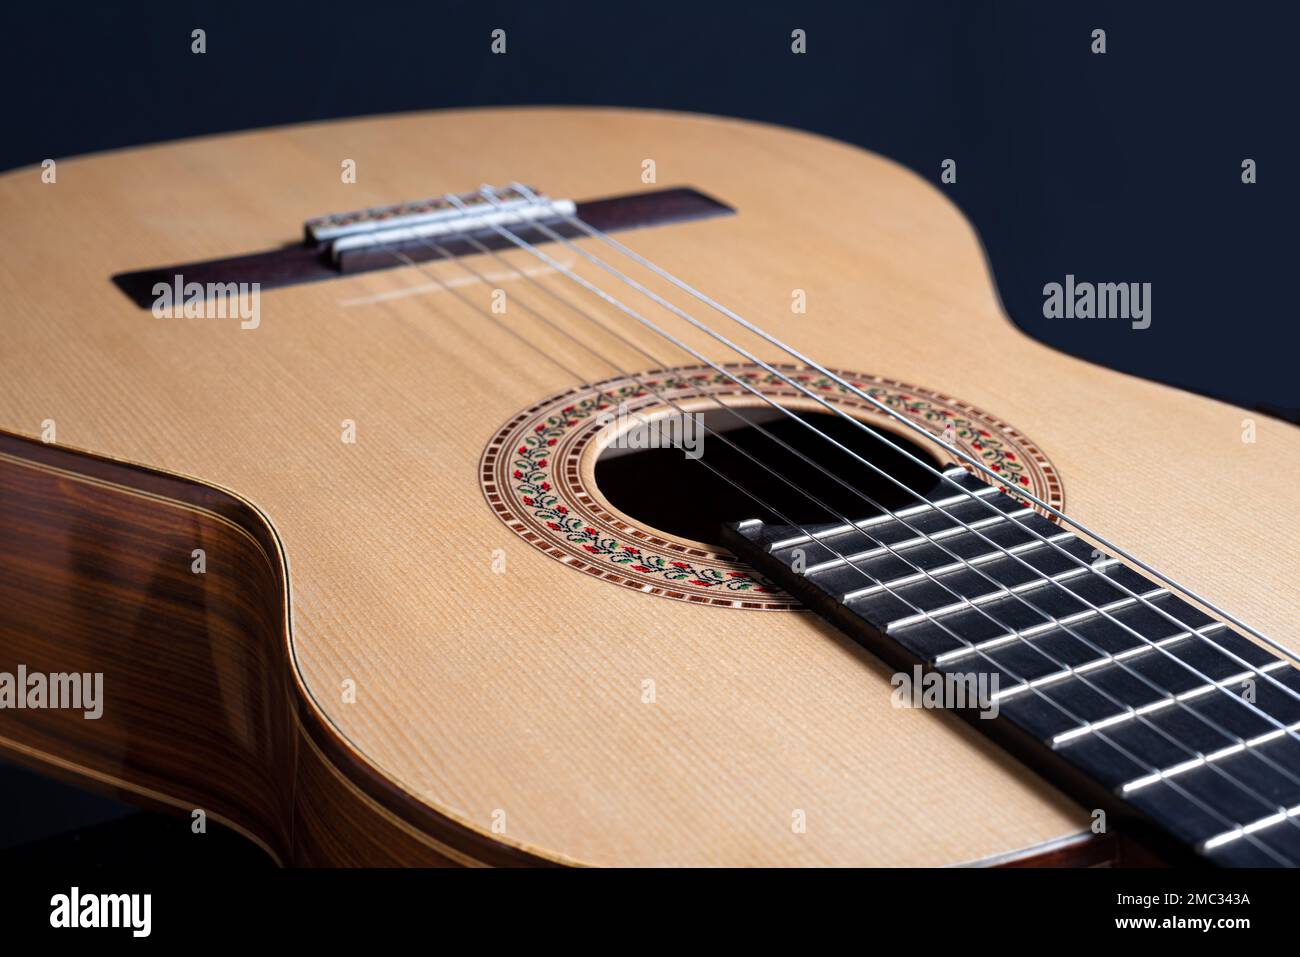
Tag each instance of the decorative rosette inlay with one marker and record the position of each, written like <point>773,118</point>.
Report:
<point>536,473</point>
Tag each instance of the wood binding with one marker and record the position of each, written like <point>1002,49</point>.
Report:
<point>1085,849</point>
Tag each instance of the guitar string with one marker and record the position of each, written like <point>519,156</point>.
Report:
<point>954,450</point>
<point>488,193</point>
<point>1192,798</point>
<point>1284,814</point>
<point>1268,851</point>
<point>1280,726</point>
<point>1167,697</point>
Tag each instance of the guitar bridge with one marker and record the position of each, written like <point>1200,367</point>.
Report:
<point>388,237</point>
<point>352,237</point>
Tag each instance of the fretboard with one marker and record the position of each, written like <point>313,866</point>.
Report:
<point>1119,691</point>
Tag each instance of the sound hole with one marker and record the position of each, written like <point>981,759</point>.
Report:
<point>662,488</point>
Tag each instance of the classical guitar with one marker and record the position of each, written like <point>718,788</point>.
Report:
<point>615,488</point>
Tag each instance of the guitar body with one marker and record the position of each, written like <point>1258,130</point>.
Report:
<point>373,662</point>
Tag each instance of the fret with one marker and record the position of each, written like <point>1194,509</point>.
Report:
<point>991,563</point>
<point>1098,627</point>
<point>1259,745</point>
<point>990,617</point>
<point>1122,761</point>
<point>1092,664</point>
<point>1182,670</point>
<point>1094,702</point>
<point>957,475</point>
<point>836,548</point>
<point>1138,692</point>
<point>976,596</point>
<point>1252,827</point>
<point>833,544</point>
<point>1196,826</point>
<point>1263,816</point>
<point>1231,849</point>
<point>1248,724</point>
<point>1128,747</point>
<point>1145,700</point>
<point>899,557</point>
<point>988,558</point>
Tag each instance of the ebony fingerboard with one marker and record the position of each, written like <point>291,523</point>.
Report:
<point>1136,705</point>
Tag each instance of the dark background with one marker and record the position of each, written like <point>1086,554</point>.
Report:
<point>1117,167</point>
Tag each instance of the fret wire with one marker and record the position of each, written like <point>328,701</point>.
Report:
<point>1101,662</point>
<point>1250,827</point>
<point>446,254</point>
<point>489,193</point>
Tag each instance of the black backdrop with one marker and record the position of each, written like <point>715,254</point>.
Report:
<point>1117,167</point>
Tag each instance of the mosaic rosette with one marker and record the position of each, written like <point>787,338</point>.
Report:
<point>533,476</point>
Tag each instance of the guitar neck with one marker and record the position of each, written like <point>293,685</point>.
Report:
<point>1132,700</point>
